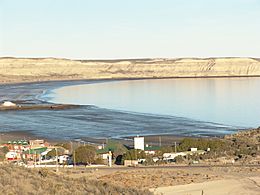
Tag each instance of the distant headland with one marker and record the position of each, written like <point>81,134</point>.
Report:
<point>16,70</point>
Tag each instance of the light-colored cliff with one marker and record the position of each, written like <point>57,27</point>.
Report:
<point>27,70</point>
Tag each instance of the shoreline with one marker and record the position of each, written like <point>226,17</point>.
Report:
<point>16,135</point>
<point>25,135</point>
<point>154,140</point>
<point>47,106</point>
<point>121,79</point>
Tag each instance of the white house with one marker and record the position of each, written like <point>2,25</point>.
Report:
<point>194,149</point>
<point>63,158</point>
<point>172,156</point>
<point>11,155</point>
<point>104,156</point>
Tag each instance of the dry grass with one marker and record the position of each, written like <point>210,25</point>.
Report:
<point>145,179</point>
<point>17,180</point>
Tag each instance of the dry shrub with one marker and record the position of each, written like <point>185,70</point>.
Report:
<point>18,180</point>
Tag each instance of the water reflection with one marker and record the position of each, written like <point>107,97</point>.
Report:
<point>231,101</point>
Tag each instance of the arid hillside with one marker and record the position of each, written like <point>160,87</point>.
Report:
<point>44,69</point>
<point>18,180</point>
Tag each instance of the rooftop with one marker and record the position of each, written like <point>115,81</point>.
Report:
<point>18,142</point>
<point>152,148</point>
<point>112,146</point>
<point>36,151</point>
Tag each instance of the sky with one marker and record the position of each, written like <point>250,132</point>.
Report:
<point>116,29</point>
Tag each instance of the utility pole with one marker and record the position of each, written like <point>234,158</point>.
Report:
<point>29,155</point>
<point>74,159</point>
<point>34,159</point>
<point>57,168</point>
<point>175,147</point>
<point>71,149</point>
<point>160,141</point>
<point>40,159</point>
<point>110,159</point>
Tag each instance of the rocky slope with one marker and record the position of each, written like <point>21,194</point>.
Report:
<point>43,69</point>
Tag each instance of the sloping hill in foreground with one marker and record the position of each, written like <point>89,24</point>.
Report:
<point>44,69</point>
<point>18,180</point>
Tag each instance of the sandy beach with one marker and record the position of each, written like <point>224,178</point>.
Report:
<point>164,140</point>
<point>24,135</point>
<point>16,135</point>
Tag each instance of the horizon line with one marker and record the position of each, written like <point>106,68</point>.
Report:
<point>123,59</point>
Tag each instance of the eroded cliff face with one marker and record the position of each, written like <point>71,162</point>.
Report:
<point>28,70</point>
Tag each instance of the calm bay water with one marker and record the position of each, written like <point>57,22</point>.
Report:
<point>228,101</point>
<point>182,107</point>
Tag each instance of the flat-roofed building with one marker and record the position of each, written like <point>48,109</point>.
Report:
<point>139,143</point>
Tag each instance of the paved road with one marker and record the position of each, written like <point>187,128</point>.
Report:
<point>170,167</point>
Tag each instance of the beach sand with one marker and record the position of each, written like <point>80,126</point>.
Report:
<point>16,135</point>
<point>156,140</point>
<point>25,135</point>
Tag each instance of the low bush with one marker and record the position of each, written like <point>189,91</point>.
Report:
<point>18,180</point>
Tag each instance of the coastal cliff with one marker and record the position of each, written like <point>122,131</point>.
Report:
<point>45,69</point>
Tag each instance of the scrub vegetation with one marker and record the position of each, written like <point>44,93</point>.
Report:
<point>18,180</point>
<point>3,152</point>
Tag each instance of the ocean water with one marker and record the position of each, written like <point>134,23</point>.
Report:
<point>228,101</point>
<point>183,107</point>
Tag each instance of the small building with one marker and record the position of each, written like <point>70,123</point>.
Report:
<point>172,156</point>
<point>63,159</point>
<point>12,156</point>
<point>103,155</point>
<point>151,149</point>
<point>130,163</point>
<point>112,146</point>
<point>38,143</point>
<point>34,153</point>
<point>199,152</point>
<point>139,143</point>
<point>194,149</point>
<point>17,146</point>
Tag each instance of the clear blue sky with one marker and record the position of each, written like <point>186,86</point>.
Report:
<point>95,29</point>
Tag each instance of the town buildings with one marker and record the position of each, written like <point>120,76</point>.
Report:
<point>25,150</point>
